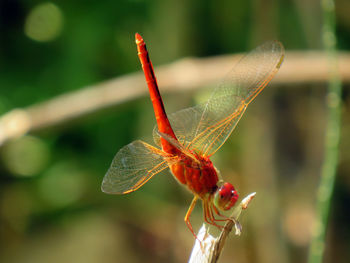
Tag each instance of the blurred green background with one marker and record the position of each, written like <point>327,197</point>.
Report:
<point>51,206</point>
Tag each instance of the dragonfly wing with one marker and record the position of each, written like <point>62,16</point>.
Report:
<point>219,118</point>
<point>252,73</point>
<point>205,127</point>
<point>132,167</point>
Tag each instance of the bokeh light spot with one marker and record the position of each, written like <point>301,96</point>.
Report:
<point>62,184</point>
<point>298,224</point>
<point>44,22</point>
<point>26,156</point>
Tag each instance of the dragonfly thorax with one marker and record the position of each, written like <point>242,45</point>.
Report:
<point>200,175</point>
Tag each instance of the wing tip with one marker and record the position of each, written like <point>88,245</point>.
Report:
<point>282,53</point>
<point>107,190</point>
<point>277,48</point>
<point>106,186</point>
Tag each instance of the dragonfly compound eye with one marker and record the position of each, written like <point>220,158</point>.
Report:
<point>225,197</point>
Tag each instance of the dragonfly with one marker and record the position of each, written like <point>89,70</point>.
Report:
<point>188,138</point>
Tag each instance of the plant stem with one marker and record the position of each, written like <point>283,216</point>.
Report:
<point>332,138</point>
<point>207,248</point>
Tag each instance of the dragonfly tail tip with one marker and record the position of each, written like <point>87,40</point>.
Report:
<point>138,37</point>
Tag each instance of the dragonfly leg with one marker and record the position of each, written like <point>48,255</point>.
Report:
<point>226,218</point>
<point>219,214</point>
<point>187,216</point>
<point>208,215</point>
<point>205,212</point>
<point>211,208</point>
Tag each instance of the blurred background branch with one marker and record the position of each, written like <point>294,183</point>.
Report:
<point>186,74</point>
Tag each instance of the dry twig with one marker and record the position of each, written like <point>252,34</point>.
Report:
<point>209,249</point>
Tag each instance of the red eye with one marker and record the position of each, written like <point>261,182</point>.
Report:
<point>225,197</point>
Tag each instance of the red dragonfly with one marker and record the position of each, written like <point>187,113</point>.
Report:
<point>189,137</point>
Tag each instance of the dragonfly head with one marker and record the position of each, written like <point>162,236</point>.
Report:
<point>225,196</point>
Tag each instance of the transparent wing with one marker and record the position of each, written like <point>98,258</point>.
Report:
<point>133,166</point>
<point>205,127</point>
<point>252,73</point>
<point>202,128</point>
